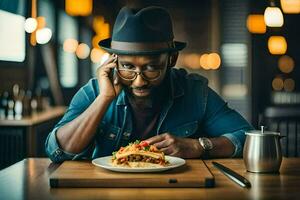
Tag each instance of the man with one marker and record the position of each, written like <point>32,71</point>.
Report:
<point>138,95</point>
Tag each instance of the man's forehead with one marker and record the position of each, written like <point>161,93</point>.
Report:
<point>156,57</point>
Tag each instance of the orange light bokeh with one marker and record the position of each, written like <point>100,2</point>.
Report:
<point>286,64</point>
<point>277,84</point>
<point>192,60</point>
<point>82,51</point>
<point>101,29</point>
<point>256,24</point>
<point>289,85</point>
<point>213,60</point>
<point>203,61</point>
<point>79,7</point>
<point>70,45</point>
<point>96,55</point>
<point>41,22</point>
<point>210,61</point>
<point>290,6</point>
<point>277,45</point>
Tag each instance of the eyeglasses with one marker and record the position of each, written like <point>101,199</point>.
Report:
<point>130,74</point>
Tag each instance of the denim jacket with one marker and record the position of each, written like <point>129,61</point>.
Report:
<point>193,110</point>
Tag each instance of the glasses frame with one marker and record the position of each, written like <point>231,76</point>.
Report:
<point>137,72</point>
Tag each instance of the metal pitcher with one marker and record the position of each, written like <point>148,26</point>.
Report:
<point>262,151</point>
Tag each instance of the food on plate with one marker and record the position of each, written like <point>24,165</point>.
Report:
<point>139,154</point>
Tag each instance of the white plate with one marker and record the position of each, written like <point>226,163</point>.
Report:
<point>105,162</point>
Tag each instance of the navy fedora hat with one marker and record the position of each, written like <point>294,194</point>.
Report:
<point>139,32</point>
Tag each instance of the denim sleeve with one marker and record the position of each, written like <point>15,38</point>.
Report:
<point>220,120</point>
<point>80,102</point>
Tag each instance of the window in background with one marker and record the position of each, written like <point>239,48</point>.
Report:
<point>12,37</point>
<point>234,51</point>
<point>67,61</point>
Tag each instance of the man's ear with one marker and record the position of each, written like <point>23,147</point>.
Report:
<point>172,59</point>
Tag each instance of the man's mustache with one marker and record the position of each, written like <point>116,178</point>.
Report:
<point>141,88</point>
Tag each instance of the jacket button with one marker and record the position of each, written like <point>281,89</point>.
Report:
<point>58,152</point>
<point>126,135</point>
<point>112,136</point>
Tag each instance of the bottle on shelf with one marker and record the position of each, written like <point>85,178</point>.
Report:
<point>18,96</point>
<point>4,105</point>
<point>10,111</point>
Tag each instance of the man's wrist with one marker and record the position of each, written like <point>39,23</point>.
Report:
<point>198,149</point>
<point>105,99</point>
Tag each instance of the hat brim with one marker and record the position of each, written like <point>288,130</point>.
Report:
<point>106,45</point>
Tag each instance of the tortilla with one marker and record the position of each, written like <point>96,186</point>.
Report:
<point>139,155</point>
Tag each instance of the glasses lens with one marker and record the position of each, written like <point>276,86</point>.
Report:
<point>127,74</point>
<point>151,74</point>
<point>131,74</point>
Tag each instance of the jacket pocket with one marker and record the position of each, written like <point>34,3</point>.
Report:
<point>185,130</point>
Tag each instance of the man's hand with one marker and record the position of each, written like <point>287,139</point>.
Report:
<point>109,84</point>
<point>176,146</point>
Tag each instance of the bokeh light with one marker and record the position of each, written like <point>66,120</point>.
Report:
<point>30,25</point>
<point>41,22</point>
<point>70,45</point>
<point>43,35</point>
<point>79,7</point>
<point>277,45</point>
<point>286,64</point>
<point>96,55</point>
<point>277,84</point>
<point>290,6</point>
<point>289,85</point>
<point>204,61</point>
<point>256,24</point>
<point>210,61</point>
<point>192,60</point>
<point>82,51</point>
<point>273,17</point>
<point>213,60</point>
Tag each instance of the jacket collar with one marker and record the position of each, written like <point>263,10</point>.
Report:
<point>176,90</point>
<point>176,87</point>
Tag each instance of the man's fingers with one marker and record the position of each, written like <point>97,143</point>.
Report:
<point>164,143</point>
<point>155,139</point>
<point>110,59</point>
<point>168,150</point>
<point>171,151</point>
<point>107,68</point>
<point>175,152</point>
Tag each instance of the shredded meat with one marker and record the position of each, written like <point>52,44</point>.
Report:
<point>139,158</point>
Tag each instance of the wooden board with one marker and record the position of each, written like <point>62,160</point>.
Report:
<point>84,174</point>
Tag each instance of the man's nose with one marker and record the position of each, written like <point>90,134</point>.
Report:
<point>139,81</point>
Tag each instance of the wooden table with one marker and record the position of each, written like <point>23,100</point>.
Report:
<point>29,179</point>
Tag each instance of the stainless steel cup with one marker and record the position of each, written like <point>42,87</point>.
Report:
<point>262,151</point>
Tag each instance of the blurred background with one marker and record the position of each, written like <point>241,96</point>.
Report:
<point>249,50</point>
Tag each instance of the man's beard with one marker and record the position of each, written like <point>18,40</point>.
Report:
<point>156,92</point>
<point>140,100</point>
